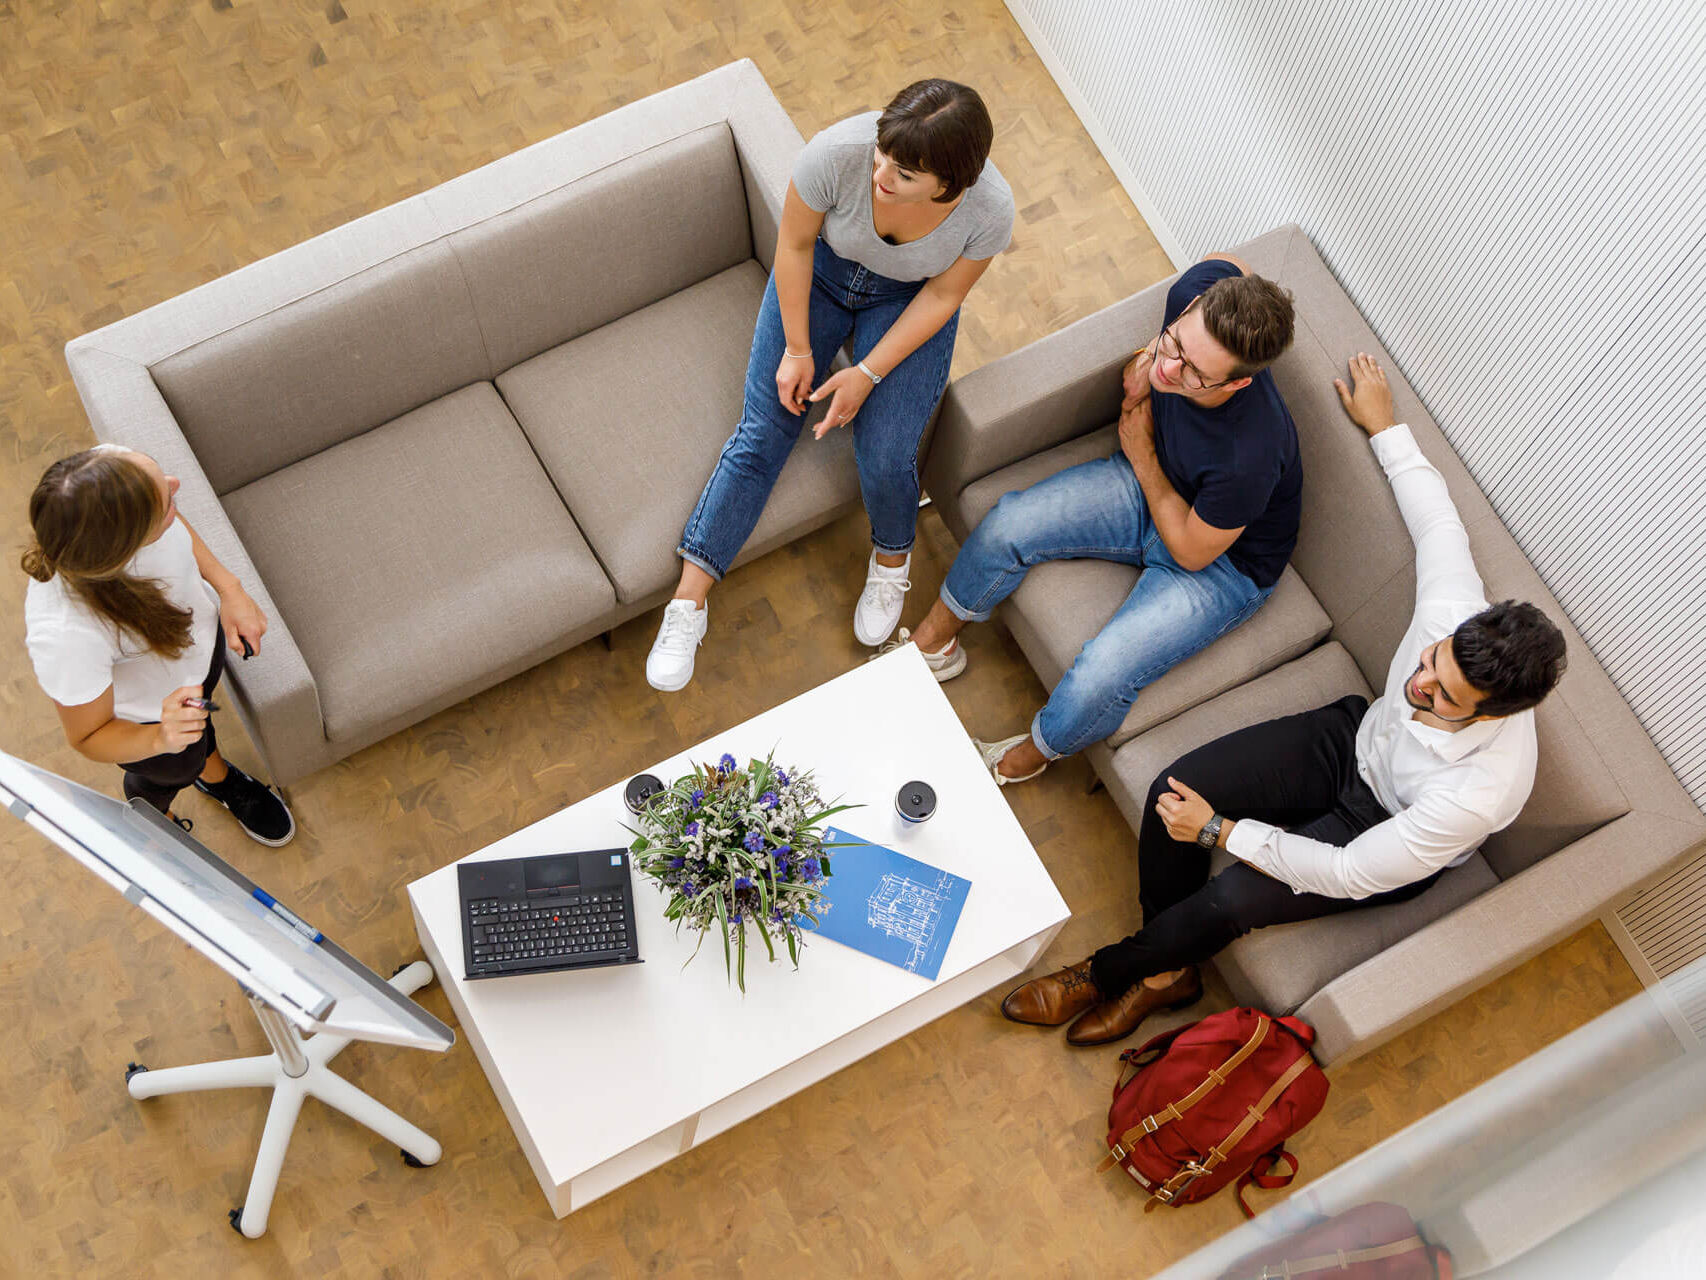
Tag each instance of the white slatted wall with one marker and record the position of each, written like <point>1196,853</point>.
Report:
<point>1514,193</point>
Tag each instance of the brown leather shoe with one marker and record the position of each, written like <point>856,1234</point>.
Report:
<point>1116,1019</point>
<point>1050,1001</point>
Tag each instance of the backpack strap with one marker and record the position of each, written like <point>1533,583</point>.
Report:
<point>1261,1174</point>
<point>1176,1110</point>
<point>1133,1059</point>
<point>1169,1191</point>
<point>1338,1261</point>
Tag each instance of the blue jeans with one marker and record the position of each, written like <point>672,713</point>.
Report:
<point>846,300</point>
<point>1097,511</point>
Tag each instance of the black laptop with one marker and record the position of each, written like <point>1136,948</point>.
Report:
<point>555,911</point>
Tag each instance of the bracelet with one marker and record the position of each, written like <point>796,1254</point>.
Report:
<point>795,355</point>
<point>865,369</point>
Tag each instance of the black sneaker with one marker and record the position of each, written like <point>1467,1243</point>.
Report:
<point>257,808</point>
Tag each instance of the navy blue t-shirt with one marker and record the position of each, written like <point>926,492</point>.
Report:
<point>1236,464</point>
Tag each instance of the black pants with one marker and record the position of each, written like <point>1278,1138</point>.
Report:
<point>1298,772</point>
<point>159,778</point>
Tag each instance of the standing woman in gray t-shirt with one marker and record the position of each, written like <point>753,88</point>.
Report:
<point>890,219</point>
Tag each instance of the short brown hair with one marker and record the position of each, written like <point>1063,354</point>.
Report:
<point>1251,317</point>
<point>91,513</point>
<point>939,127</point>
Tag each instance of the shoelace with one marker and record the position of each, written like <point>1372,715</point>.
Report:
<point>680,631</point>
<point>882,592</point>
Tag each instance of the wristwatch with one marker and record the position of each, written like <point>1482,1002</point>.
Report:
<point>866,370</point>
<point>1210,833</point>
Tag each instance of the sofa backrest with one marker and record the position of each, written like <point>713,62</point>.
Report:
<point>595,250</point>
<point>324,368</point>
<point>380,342</point>
<point>1356,556</point>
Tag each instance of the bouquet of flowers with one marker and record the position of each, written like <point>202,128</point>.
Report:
<point>737,847</point>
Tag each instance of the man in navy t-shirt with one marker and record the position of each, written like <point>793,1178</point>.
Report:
<point>1204,496</point>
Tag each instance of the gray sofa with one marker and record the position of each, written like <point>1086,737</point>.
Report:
<point>451,439</point>
<point>1606,813</point>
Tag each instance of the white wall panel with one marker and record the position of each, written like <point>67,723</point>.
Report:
<point>1514,194</point>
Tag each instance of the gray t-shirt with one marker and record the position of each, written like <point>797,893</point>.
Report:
<point>833,176</point>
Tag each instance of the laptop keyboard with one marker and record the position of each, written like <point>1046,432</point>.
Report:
<point>503,930</point>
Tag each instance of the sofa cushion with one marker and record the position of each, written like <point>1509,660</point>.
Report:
<point>612,242</point>
<point>418,555</point>
<point>629,421</point>
<point>1062,605</point>
<point>328,366</point>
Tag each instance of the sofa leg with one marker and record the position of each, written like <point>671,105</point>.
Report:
<point>609,641</point>
<point>1095,784</point>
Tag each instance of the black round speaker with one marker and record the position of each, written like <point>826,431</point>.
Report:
<point>641,788</point>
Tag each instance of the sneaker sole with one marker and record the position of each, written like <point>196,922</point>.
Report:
<point>869,642</point>
<point>953,667</point>
<point>271,844</point>
<point>670,688</point>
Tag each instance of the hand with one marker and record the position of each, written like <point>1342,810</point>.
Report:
<point>849,389</point>
<point>1134,379</point>
<point>1183,810</point>
<point>242,619</point>
<point>1137,432</point>
<point>1369,399</point>
<point>180,726</point>
<point>793,383</point>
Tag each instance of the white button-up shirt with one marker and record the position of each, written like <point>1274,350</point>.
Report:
<point>1446,791</point>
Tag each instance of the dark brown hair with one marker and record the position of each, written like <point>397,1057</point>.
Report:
<point>939,127</point>
<point>91,513</point>
<point>1251,317</point>
<point>1512,653</point>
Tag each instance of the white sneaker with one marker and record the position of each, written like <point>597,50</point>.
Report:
<point>994,752</point>
<point>946,664</point>
<point>880,603</point>
<point>669,666</point>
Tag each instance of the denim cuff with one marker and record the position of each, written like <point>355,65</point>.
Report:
<point>694,558</point>
<point>960,611</point>
<point>1037,737</point>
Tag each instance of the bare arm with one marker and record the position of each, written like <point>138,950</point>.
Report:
<point>795,240</point>
<point>242,619</point>
<point>93,730</point>
<point>1191,541</point>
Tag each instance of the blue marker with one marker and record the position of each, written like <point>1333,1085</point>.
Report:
<point>285,914</point>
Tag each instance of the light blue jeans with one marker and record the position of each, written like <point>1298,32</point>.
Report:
<point>1096,511</point>
<point>846,300</point>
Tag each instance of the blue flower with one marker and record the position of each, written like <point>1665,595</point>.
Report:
<point>691,829</point>
<point>727,763</point>
<point>781,777</point>
<point>767,800</point>
<point>735,918</point>
<point>810,868</point>
<point>743,882</point>
<point>696,799</point>
<point>754,842</point>
<point>783,850</point>
<point>781,865</point>
<point>688,889</point>
<point>678,862</point>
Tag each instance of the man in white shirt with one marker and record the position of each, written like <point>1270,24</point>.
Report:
<point>1346,806</point>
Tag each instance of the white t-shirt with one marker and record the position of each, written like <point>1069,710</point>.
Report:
<point>77,653</point>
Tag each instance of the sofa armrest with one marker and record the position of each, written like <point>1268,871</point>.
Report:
<point>1053,390</point>
<point>768,144</point>
<point>274,693</point>
<point>1489,936</point>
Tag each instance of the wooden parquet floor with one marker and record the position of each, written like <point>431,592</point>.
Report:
<point>149,146</point>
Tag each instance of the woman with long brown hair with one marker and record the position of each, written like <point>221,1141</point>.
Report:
<point>124,616</point>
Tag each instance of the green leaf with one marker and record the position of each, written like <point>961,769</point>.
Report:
<point>765,934</point>
<point>740,969</point>
<point>723,920</point>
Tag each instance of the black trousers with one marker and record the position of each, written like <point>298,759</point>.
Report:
<point>159,778</point>
<point>1298,772</point>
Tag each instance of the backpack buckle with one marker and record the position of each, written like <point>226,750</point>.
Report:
<point>1190,1171</point>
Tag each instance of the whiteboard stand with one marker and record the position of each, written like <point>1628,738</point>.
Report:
<point>297,1068</point>
<point>310,996</point>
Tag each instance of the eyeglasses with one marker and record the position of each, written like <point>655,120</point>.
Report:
<point>1167,348</point>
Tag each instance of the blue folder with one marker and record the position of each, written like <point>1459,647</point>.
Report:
<point>890,906</point>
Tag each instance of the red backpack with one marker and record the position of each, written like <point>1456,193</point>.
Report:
<point>1213,1101</point>
<point>1370,1242</point>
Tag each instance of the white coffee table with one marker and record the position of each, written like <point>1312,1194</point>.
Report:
<point>607,1073</point>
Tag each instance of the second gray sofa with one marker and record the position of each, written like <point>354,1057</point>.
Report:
<point>1606,813</point>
